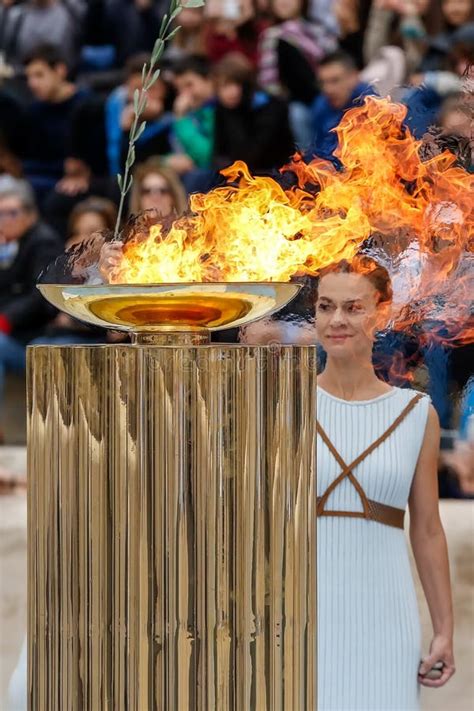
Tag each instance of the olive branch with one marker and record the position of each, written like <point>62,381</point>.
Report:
<point>150,74</point>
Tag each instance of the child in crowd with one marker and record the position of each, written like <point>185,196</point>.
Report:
<point>194,121</point>
<point>251,125</point>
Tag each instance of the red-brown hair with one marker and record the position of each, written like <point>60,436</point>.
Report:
<point>367,267</point>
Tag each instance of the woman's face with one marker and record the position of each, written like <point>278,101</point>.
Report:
<point>347,315</point>
<point>84,226</point>
<point>287,9</point>
<point>191,18</point>
<point>155,194</point>
<point>229,94</point>
<point>456,12</point>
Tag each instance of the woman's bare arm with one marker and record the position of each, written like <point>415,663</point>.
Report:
<point>430,550</point>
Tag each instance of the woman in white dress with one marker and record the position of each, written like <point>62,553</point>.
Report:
<point>377,451</point>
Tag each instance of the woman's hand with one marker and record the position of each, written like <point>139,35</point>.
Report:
<point>441,650</point>
<point>110,257</point>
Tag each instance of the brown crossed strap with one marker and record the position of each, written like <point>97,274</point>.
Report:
<point>372,509</point>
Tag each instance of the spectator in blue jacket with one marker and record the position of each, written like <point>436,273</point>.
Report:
<point>341,89</point>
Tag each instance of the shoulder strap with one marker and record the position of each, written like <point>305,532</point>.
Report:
<point>330,445</point>
<point>347,468</point>
<point>406,410</point>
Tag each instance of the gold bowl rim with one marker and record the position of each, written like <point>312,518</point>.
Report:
<point>283,292</point>
<point>167,284</point>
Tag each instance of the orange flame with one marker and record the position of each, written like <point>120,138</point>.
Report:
<point>252,229</point>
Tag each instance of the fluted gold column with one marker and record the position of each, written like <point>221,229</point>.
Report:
<point>172,560</point>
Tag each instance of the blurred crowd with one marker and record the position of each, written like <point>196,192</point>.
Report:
<point>249,80</point>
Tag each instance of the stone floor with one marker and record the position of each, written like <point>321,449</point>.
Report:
<point>458,520</point>
<point>12,568</point>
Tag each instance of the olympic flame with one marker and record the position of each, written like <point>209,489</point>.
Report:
<point>418,213</point>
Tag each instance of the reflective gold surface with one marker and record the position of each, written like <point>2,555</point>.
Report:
<point>170,306</point>
<point>179,311</point>
<point>172,559</point>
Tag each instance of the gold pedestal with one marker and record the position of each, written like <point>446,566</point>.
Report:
<point>172,558</point>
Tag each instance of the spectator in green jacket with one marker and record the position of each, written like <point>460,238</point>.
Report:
<point>194,111</point>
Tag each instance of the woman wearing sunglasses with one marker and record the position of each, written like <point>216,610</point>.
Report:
<point>155,188</point>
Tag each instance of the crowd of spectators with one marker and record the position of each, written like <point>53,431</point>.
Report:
<point>243,79</point>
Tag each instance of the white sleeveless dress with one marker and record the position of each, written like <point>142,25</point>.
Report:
<point>369,633</point>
